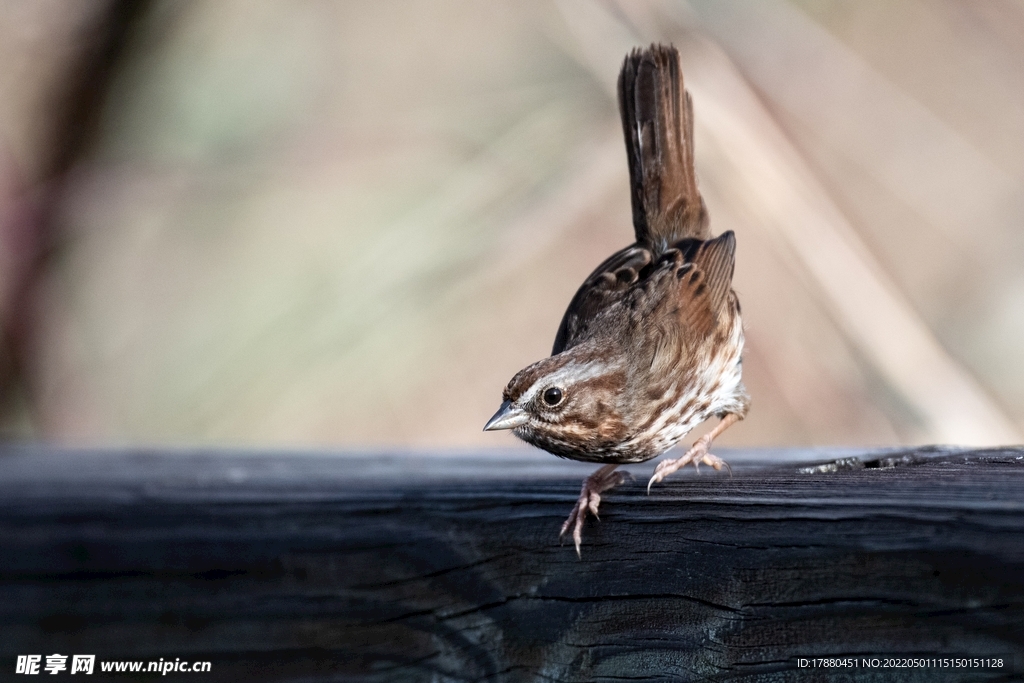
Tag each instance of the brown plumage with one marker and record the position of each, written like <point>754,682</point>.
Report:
<point>651,344</point>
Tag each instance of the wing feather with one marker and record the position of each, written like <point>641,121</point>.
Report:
<point>605,286</point>
<point>688,307</point>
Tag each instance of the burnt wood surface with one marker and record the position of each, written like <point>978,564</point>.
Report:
<point>433,567</point>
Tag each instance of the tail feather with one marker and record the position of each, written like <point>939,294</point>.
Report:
<point>657,120</point>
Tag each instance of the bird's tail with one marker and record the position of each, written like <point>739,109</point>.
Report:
<point>657,119</point>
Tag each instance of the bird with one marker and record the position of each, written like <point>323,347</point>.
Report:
<point>651,345</point>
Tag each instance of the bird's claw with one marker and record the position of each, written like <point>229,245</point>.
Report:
<point>697,454</point>
<point>589,501</point>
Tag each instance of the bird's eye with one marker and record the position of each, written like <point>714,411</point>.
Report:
<point>553,396</point>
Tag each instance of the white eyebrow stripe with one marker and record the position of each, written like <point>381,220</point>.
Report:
<point>571,373</point>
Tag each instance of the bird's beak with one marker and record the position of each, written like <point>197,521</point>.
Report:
<point>507,417</point>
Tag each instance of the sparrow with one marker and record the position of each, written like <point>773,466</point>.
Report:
<point>651,344</point>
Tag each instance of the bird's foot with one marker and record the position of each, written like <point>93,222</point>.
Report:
<point>697,454</point>
<point>589,500</point>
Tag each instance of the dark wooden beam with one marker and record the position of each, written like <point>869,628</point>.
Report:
<point>289,567</point>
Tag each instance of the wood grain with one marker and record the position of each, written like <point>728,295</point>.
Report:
<point>306,567</point>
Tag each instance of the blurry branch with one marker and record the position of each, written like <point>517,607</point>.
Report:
<point>30,206</point>
<point>903,145</point>
<point>773,185</point>
<point>777,189</point>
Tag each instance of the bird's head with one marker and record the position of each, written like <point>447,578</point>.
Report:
<point>567,404</point>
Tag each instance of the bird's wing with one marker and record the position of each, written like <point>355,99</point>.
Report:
<point>704,280</point>
<point>609,282</point>
<point>678,299</point>
<point>696,278</point>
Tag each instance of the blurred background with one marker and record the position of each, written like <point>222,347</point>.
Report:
<point>345,224</point>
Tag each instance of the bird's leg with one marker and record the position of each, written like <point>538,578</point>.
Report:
<point>697,454</point>
<point>590,497</point>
